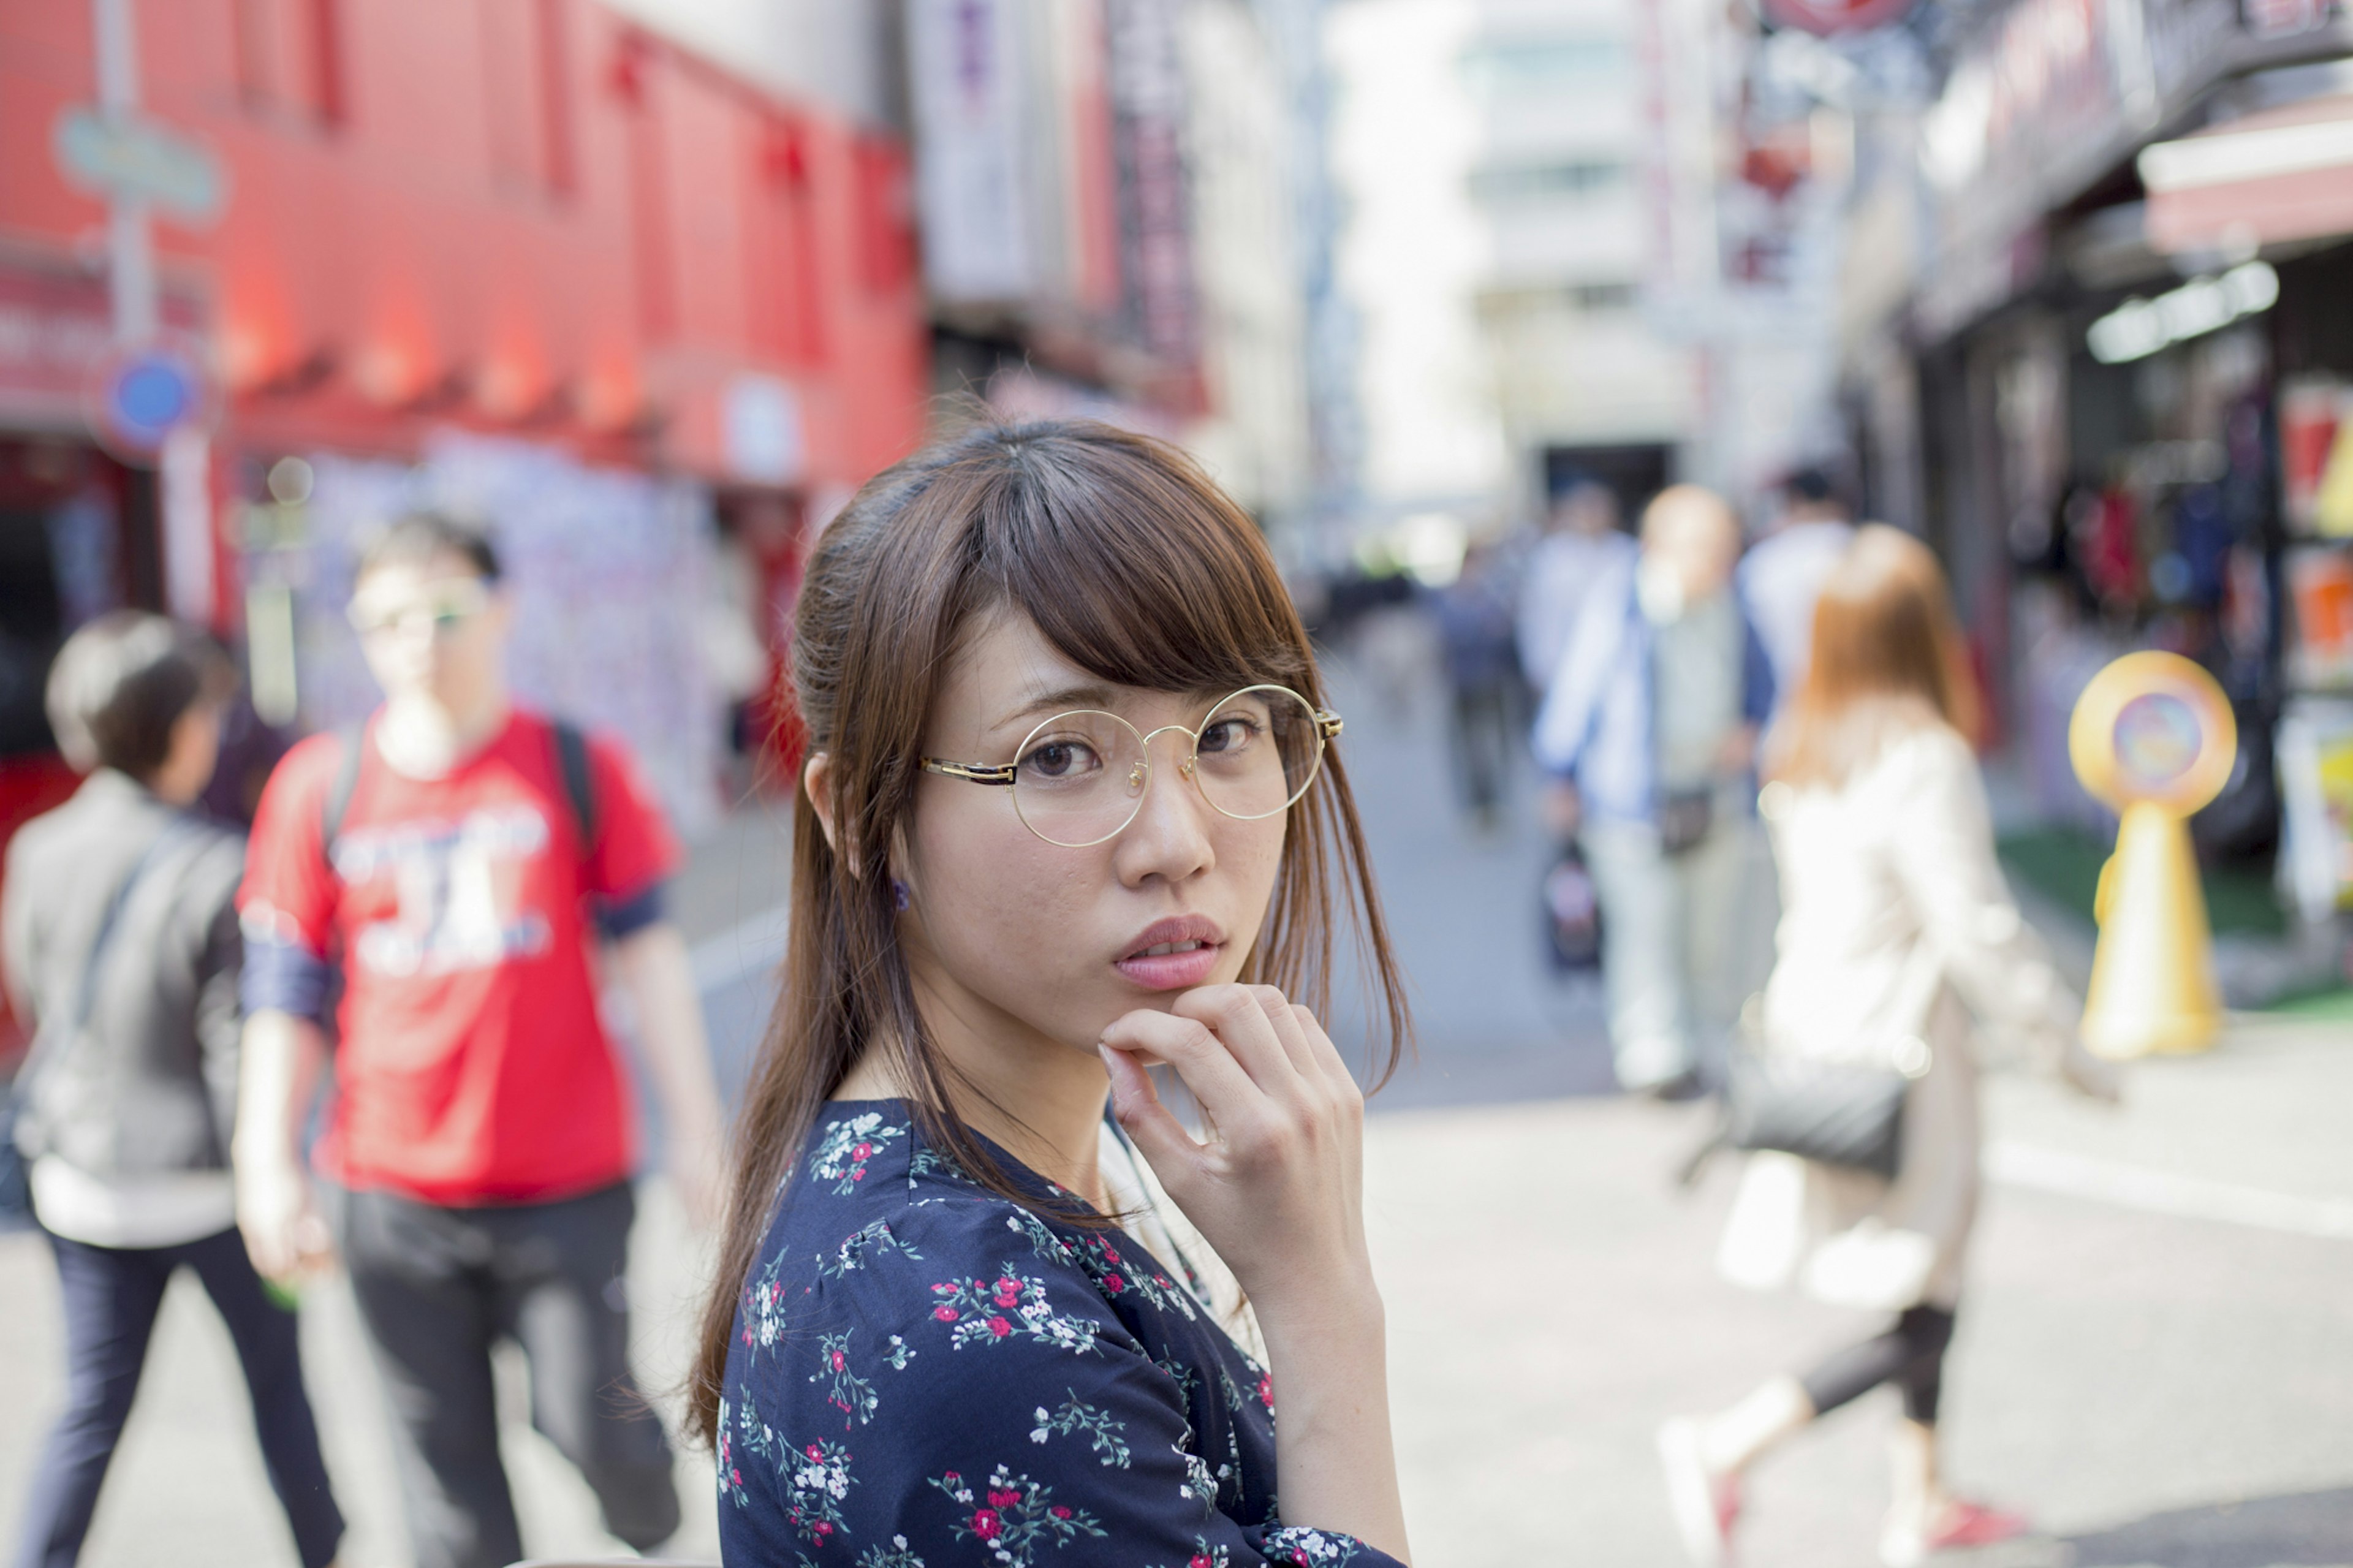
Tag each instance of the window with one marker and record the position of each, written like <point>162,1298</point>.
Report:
<point>1508,184</point>
<point>1510,67</point>
<point>525,84</point>
<point>290,58</point>
<point>1597,298</point>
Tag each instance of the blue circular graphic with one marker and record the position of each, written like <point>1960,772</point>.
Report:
<point>150,394</point>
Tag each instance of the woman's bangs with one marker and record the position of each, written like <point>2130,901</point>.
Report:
<point>1137,576</point>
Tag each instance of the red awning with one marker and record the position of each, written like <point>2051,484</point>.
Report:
<point>2284,174</point>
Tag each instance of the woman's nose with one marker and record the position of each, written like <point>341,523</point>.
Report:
<point>1169,836</point>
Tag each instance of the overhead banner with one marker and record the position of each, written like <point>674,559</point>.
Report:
<point>966,69</point>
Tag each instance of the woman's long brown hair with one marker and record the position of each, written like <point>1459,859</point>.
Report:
<point>1138,569</point>
<point>1886,660</point>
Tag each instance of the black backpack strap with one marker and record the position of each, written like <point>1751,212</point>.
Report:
<point>352,742</point>
<point>579,782</point>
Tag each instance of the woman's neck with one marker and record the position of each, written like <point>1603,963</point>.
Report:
<point>1037,1098</point>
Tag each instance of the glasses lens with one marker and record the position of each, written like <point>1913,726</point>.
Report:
<point>1080,778</point>
<point>1259,752</point>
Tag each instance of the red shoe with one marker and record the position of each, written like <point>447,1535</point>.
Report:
<point>1959,1523</point>
<point>1705,1506</point>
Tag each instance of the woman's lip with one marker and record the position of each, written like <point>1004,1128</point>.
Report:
<point>1172,970</point>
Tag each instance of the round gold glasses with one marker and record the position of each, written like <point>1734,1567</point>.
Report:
<point>1078,779</point>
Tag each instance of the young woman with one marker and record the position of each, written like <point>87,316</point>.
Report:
<point>1071,811</point>
<point>1896,923</point>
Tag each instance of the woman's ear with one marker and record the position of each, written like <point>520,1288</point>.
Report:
<point>817,777</point>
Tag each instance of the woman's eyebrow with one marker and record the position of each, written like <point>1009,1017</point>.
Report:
<point>1089,694</point>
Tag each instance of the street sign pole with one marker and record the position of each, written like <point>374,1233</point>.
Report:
<point>131,240</point>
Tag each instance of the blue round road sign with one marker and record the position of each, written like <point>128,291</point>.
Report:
<point>145,395</point>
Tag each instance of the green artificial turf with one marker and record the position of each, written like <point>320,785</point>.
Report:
<point>2063,865</point>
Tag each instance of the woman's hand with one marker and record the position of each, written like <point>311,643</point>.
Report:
<point>1279,1187</point>
<point>1279,1191</point>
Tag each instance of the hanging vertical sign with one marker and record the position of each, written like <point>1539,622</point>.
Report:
<point>1148,94</point>
<point>965,78</point>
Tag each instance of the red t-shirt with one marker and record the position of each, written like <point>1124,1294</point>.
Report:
<point>472,1066</point>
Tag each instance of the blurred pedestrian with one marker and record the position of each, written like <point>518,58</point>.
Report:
<point>122,947</point>
<point>1898,927</point>
<point>1581,546</point>
<point>456,860</point>
<point>1475,631</point>
<point>1783,573</point>
<point>1649,728</point>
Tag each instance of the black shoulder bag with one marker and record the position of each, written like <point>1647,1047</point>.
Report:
<point>1845,1110</point>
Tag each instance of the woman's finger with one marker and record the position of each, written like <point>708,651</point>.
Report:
<point>1295,1044</point>
<point>1329,1063</point>
<point>1156,1132</point>
<point>1201,1059</point>
<point>1240,1020</point>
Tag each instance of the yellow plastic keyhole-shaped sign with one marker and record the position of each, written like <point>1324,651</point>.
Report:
<point>2153,737</point>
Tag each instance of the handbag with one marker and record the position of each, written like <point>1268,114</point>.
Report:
<point>1572,915</point>
<point>1844,1109</point>
<point>51,1036</point>
<point>1684,817</point>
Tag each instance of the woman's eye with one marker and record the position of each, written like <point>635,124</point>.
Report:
<point>1228,735</point>
<point>1059,759</point>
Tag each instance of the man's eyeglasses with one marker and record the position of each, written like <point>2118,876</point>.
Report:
<point>441,612</point>
<point>1078,778</point>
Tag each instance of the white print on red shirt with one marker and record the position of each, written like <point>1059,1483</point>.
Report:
<point>460,887</point>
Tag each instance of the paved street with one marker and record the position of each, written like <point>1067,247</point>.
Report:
<point>2154,1358</point>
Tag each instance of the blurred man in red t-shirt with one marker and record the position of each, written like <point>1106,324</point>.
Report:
<point>455,861</point>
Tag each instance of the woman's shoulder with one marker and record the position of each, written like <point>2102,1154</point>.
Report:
<point>871,1206</point>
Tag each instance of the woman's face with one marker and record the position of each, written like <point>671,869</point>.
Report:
<point>1011,933</point>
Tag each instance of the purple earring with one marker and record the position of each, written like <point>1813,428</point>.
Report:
<point>899,894</point>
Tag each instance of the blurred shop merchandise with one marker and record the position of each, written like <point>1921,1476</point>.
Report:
<point>121,944</point>
<point>2316,762</point>
<point>1653,718</point>
<point>1898,936</point>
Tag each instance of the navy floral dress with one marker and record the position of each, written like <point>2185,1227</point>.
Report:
<point>926,1375</point>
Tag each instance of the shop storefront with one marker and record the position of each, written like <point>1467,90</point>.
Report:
<point>2131,384</point>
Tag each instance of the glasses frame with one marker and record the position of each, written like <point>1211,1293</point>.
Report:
<point>1327,727</point>
<point>444,615</point>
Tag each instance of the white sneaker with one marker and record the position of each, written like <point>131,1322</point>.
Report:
<point>1704,1505</point>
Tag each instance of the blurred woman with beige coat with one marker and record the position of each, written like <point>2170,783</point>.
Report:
<point>1897,925</point>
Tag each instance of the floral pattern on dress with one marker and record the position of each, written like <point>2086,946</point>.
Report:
<point>815,1476</point>
<point>845,1148</point>
<point>1076,1415</point>
<point>1313,1548</point>
<point>985,1312</point>
<point>846,1391</point>
<point>1013,1516</point>
<point>898,1309</point>
<point>1118,1273</point>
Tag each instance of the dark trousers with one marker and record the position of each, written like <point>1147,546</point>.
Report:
<point>1482,731</point>
<point>438,1287</point>
<point>111,1295</point>
<point>1910,1354</point>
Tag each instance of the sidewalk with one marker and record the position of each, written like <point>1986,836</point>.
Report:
<point>2159,1383</point>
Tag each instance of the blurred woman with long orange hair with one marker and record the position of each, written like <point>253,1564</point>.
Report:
<point>1896,926</point>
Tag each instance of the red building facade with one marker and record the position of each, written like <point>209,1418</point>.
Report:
<point>533,219</point>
